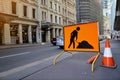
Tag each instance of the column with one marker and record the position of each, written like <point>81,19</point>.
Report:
<point>38,34</point>
<point>57,32</point>
<point>61,32</point>
<point>20,34</point>
<point>48,36</point>
<point>29,34</point>
<point>53,32</point>
<point>7,38</point>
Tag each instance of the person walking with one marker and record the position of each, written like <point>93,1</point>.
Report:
<point>74,36</point>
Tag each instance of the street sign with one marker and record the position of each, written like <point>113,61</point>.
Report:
<point>81,37</point>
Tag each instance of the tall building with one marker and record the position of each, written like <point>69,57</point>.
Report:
<point>34,21</point>
<point>54,15</point>
<point>89,11</point>
<point>109,7</point>
<point>113,9</point>
<point>117,20</point>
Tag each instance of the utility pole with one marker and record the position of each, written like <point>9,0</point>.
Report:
<point>39,34</point>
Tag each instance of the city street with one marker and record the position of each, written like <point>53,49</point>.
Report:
<point>36,63</point>
<point>15,57</point>
<point>33,34</point>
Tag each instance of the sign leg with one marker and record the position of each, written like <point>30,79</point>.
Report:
<point>93,63</point>
<point>57,56</point>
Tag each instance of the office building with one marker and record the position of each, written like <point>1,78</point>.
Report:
<point>89,11</point>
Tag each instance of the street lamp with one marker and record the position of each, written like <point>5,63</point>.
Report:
<point>39,23</point>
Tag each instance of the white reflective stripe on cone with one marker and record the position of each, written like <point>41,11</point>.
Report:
<point>107,52</point>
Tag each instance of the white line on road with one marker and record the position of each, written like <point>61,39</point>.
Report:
<point>14,70</point>
<point>18,54</point>
<point>20,68</point>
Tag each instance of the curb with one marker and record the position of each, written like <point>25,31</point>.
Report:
<point>21,45</point>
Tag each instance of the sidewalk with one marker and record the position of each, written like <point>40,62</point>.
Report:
<point>20,45</point>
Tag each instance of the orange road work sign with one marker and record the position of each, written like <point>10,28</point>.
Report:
<point>81,37</point>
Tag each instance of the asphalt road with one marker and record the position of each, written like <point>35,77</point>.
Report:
<point>75,68</point>
<point>15,57</point>
<point>15,63</point>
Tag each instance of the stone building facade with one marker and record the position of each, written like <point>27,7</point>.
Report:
<point>20,23</point>
<point>54,15</point>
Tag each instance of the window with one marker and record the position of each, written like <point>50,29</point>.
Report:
<point>55,7</point>
<point>24,10</point>
<point>43,16</point>
<point>59,8</point>
<point>51,5</point>
<point>59,20</point>
<point>43,2</point>
<point>55,19</point>
<point>14,7</point>
<point>51,18</point>
<point>33,13</point>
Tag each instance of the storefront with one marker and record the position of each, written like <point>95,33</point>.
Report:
<point>14,34</point>
<point>5,20</point>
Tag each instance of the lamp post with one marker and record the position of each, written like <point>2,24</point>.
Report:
<point>39,24</point>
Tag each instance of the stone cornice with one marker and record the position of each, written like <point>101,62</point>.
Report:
<point>7,17</point>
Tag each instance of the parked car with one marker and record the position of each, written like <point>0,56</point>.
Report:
<point>60,42</point>
<point>53,41</point>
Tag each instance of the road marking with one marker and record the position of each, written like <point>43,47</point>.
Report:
<point>17,69</point>
<point>18,54</point>
<point>21,68</point>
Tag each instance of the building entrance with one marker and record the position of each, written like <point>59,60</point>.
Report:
<point>14,33</point>
<point>25,33</point>
<point>34,34</point>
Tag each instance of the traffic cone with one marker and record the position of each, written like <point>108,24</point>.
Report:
<point>91,59</point>
<point>107,60</point>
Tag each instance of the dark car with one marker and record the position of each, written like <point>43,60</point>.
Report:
<point>53,41</point>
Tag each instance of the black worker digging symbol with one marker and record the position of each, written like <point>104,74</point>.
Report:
<point>84,44</point>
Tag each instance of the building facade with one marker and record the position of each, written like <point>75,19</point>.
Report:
<point>89,11</point>
<point>54,15</point>
<point>34,21</point>
<point>117,16</point>
<point>69,12</point>
<point>18,21</point>
<point>109,7</point>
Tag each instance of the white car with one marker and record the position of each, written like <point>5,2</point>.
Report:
<point>60,42</point>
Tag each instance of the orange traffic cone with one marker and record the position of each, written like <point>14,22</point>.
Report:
<point>91,59</point>
<point>107,60</point>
